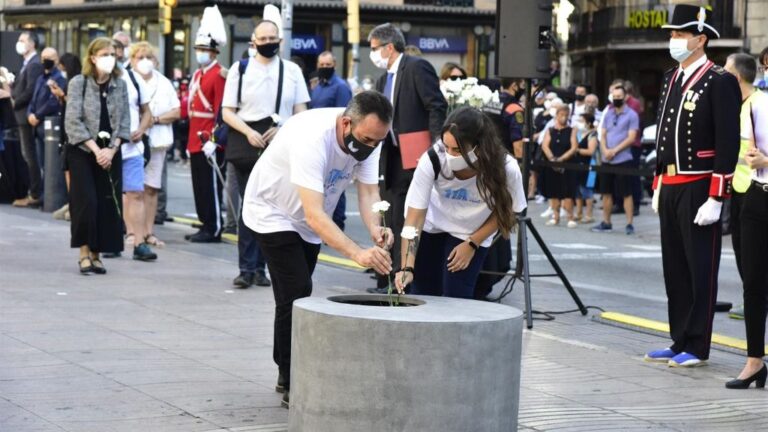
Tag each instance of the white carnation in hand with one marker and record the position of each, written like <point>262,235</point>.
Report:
<point>276,118</point>
<point>104,135</point>
<point>409,232</point>
<point>380,207</point>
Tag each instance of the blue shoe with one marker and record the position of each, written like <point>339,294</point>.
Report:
<point>602,227</point>
<point>660,356</point>
<point>630,229</point>
<point>686,360</point>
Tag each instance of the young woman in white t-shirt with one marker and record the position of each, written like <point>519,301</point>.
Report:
<point>457,211</point>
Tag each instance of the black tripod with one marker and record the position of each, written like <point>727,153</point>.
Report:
<point>522,270</point>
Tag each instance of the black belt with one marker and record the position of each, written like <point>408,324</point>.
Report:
<point>760,186</point>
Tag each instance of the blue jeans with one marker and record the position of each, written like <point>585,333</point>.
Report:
<point>339,213</point>
<point>249,256</point>
<point>431,275</point>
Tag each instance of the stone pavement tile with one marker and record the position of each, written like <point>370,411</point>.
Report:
<point>16,419</point>
<point>86,382</point>
<point>173,423</point>
<point>234,418</point>
<point>22,372</point>
<point>219,395</point>
<point>89,339</point>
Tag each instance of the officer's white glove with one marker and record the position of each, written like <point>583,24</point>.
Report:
<point>655,200</point>
<point>708,213</point>
<point>209,149</point>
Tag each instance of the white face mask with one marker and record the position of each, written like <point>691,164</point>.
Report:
<point>678,49</point>
<point>145,66</point>
<point>252,52</point>
<point>378,61</point>
<point>203,58</point>
<point>580,124</point>
<point>21,48</point>
<point>105,64</point>
<point>457,163</point>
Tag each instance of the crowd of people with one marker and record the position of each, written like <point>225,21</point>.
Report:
<point>275,151</point>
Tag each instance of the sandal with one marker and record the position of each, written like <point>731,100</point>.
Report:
<point>83,268</point>
<point>130,240</point>
<point>97,266</point>
<point>152,240</point>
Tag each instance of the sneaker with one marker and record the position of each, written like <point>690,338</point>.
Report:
<point>629,229</point>
<point>552,222</point>
<point>61,214</point>
<point>686,360</point>
<point>204,237</point>
<point>142,252</point>
<point>260,279</point>
<point>547,213</point>
<point>280,386</point>
<point>602,227</point>
<point>243,280</point>
<point>660,356</point>
<point>737,313</point>
<point>540,199</point>
<point>572,224</point>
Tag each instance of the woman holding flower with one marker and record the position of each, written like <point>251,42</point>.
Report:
<point>466,190</point>
<point>97,122</point>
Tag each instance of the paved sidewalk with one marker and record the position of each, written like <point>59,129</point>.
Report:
<point>169,346</point>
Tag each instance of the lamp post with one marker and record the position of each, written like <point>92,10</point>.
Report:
<point>353,36</point>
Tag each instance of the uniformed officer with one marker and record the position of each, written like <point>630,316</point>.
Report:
<point>698,145</point>
<point>205,94</point>
<point>512,116</point>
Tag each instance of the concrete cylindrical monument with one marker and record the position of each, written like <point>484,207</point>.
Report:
<point>438,364</point>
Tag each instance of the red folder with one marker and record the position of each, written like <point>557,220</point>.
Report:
<point>412,146</point>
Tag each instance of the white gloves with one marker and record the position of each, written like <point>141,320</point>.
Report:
<point>708,213</point>
<point>209,149</point>
<point>655,199</point>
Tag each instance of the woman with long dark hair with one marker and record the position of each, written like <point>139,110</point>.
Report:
<point>97,123</point>
<point>464,190</point>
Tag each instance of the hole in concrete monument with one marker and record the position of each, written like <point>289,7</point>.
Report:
<point>375,300</point>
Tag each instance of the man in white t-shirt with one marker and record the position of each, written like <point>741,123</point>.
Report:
<point>249,113</point>
<point>293,190</point>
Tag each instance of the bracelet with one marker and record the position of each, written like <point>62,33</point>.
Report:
<point>407,269</point>
<point>472,244</point>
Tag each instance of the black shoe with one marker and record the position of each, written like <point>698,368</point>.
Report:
<point>189,236</point>
<point>260,279</point>
<point>159,221</point>
<point>142,252</point>
<point>205,237</point>
<point>382,290</point>
<point>758,378</point>
<point>280,386</point>
<point>286,402</point>
<point>243,280</point>
<point>111,255</point>
<point>97,267</point>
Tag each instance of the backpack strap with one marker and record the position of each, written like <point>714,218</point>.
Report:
<point>241,66</point>
<point>435,161</point>
<point>279,88</point>
<point>136,85</point>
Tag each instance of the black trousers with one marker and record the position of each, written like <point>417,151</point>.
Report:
<point>291,262</point>
<point>691,259</point>
<point>207,190</point>
<point>94,205</point>
<point>29,151</point>
<point>737,203</point>
<point>394,191</point>
<point>754,251</point>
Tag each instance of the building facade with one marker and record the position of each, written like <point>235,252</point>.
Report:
<point>445,30</point>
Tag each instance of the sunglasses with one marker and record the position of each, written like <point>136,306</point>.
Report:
<point>456,77</point>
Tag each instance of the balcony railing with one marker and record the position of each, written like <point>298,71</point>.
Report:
<point>459,3</point>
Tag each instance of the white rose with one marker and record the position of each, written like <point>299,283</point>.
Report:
<point>471,81</point>
<point>276,118</point>
<point>104,135</point>
<point>454,86</point>
<point>409,232</point>
<point>380,207</point>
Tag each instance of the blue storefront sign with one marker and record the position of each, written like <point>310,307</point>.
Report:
<point>307,44</point>
<point>439,44</point>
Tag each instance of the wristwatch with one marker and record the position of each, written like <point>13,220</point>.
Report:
<point>472,244</point>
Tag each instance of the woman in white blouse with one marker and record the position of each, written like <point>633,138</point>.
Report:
<point>165,108</point>
<point>466,190</point>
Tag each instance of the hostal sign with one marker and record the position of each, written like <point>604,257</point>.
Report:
<point>647,19</point>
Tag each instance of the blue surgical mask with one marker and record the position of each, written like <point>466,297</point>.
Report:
<point>678,49</point>
<point>203,57</point>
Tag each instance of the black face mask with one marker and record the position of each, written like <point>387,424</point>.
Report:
<point>356,149</point>
<point>325,73</point>
<point>618,103</point>
<point>268,50</point>
<point>580,98</point>
<point>48,64</point>
<point>519,93</point>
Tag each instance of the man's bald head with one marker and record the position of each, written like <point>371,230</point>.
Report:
<point>326,59</point>
<point>50,54</point>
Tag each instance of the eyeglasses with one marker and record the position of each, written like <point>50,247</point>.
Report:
<point>373,48</point>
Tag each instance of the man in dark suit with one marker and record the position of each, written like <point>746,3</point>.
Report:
<point>412,85</point>
<point>22,91</point>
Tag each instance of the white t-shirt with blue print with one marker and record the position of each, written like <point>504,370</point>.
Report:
<point>454,206</point>
<point>305,152</point>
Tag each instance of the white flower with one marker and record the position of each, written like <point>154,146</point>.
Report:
<point>276,118</point>
<point>104,135</point>
<point>495,98</point>
<point>454,87</point>
<point>471,81</point>
<point>409,232</point>
<point>380,207</point>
